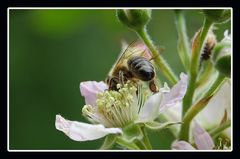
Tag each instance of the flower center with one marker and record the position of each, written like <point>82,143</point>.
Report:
<point>115,108</point>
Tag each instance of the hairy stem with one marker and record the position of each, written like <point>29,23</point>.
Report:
<point>158,59</point>
<point>216,85</point>
<point>194,65</point>
<point>183,43</point>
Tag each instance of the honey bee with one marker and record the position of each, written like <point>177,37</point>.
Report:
<point>133,64</point>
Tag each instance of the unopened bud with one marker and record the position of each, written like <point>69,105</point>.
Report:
<point>222,57</point>
<point>217,15</point>
<point>134,18</point>
<point>209,45</point>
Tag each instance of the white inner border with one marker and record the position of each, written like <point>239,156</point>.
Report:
<point>96,8</point>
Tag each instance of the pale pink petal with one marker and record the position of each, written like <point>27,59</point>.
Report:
<point>163,99</point>
<point>176,94</point>
<point>151,108</point>
<point>79,131</point>
<point>212,115</point>
<point>202,139</point>
<point>174,114</point>
<point>90,89</point>
<point>182,145</point>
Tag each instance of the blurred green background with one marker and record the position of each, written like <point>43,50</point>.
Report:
<point>52,51</point>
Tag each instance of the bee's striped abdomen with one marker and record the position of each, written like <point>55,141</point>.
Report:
<point>141,68</point>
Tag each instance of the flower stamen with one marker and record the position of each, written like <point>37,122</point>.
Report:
<point>115,108</point>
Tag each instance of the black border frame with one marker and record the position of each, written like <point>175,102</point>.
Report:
<point>107,3</point>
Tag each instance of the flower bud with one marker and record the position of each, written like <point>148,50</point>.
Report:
<point>134,18</point>
<point>223,60</point>
<point>217,15</point>
<point>208,46</point>
<point>222,56</point>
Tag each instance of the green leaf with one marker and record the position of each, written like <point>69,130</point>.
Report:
<point>159,126</point>
<point>108,142</point>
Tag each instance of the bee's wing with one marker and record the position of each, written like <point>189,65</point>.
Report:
<point>136,48</point>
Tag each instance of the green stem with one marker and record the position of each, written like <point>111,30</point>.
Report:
<point>158,59</point>
<point>183,44</point>
<point>215,132</point>
<point>194,65</point>
<point>146,139</point>
<point>130,146</point>
<point>216,85</point>
<point>195,109</point>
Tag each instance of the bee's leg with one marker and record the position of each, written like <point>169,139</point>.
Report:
<point>162,49</point>
<point>152,86</point>
<point>112,83</point>
<point>154,57</point>
<point>121,78</point>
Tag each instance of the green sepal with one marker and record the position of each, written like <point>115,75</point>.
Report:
<point>108,142</point>
<point>218,48</point>
<point>153,125</point>
<point>132,132</point>
<point>223,65</point>
<point>134,18</point>
<point>126,144</point>
<point>222,58</point>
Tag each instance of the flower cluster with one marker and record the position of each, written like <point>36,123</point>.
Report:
<point>196,109</point>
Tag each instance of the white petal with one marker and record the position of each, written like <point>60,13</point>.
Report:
<point>176,94</point>
<point>202,139</point>
<point>174,114</point>
<point>227,132</point>
<point>213,113</point>
<point>227,37</point>
<point>90,89</point>
<point>182,145</point>
<point>151,108</point>
<point>79,131</point>
<point>163,99</point>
